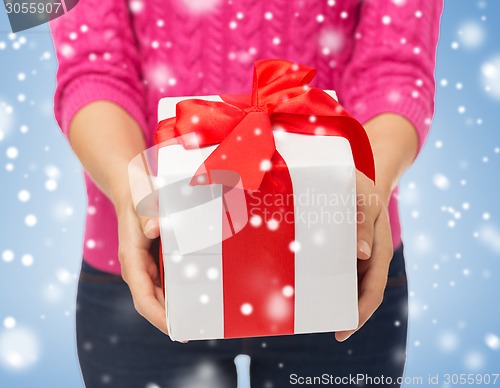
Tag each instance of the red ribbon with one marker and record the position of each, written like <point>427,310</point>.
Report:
<point>242,125</point>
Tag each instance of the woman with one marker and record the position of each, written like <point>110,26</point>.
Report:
<point>118,58</point>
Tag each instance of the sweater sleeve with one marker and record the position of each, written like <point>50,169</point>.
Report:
<point>392,65</point>
<point>98,60</point>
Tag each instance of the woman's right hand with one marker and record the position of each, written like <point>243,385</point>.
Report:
<point>139,269</point>
<point>106,138</point>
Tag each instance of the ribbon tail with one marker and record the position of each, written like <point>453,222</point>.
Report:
<point>344,126</point>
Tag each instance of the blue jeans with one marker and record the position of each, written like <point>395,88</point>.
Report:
<point>119,348</point>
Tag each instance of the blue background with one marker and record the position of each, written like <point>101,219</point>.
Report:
<point>449,208</point>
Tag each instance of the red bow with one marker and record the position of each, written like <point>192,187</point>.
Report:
<point>280,97</point>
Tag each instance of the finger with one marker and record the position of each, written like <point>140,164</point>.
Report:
<point>145,295</point>
<point>150,227</point>
<point>366,216</point>
<point>365,228</point>
<point>367,211</point>
<point>373,282</point>
<point>160,296</point>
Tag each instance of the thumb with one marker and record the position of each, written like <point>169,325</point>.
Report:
<point>150,227</point>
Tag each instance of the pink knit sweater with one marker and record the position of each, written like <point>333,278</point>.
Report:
<point>379,55</point>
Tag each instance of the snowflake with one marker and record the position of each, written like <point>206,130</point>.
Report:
<point>91,244</point>
<point>200,6</point>
<point>212,273</point>
<point>492,341</point>
<point>332,40</point>
<point>8,256</point>
<point>448,341</point>
<point>64,276</point>
<point>66,50</point>
<point>246,309</point>
<point>474,361</point>
<point>136,6</point>
<point>12,152</point>
<point>471,35</point>
<point>287,291</point>
<point>159,76</point>
<point>441,181</point>
<point>19,348</point>
<point>52,293</point>
<point>30,220</point>
<point>272,224</point>
<point>9,322</point>
<point>394,96</point>
<point>256,221</point>
<point>27,260</point>
<point>190,271</point>
<point>24,196</point>
<point>490,72</point>
<point>295,246</point>
<point>51,184</point>
<point>265,165</point>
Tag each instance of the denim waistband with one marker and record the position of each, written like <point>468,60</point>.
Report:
<point>396,276</point>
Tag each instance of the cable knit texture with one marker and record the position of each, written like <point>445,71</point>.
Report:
<point>379,55</point>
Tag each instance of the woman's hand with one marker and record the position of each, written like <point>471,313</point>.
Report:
<point>106,138</point>
<point>139,269</point>
<point>394,143</point>
<point>374,249</point>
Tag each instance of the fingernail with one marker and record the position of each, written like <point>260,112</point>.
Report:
<point>150,225</point>
<point>365,248</point>
<point>346,338</point>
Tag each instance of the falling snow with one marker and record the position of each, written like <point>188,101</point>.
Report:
<point>199,6</point>
<point>441,181</point>
<point>471,35</point>
<point>246,309</point>
<point>19,348</point>
<point>450,222</point>
<point>331,41</point>
<point>492,341</point>
<point>490,72</point>
<point>7,255</point>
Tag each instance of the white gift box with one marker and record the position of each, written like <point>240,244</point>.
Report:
<point>324,293</point>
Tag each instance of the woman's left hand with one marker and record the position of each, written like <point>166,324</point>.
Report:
<point>374,248</point>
